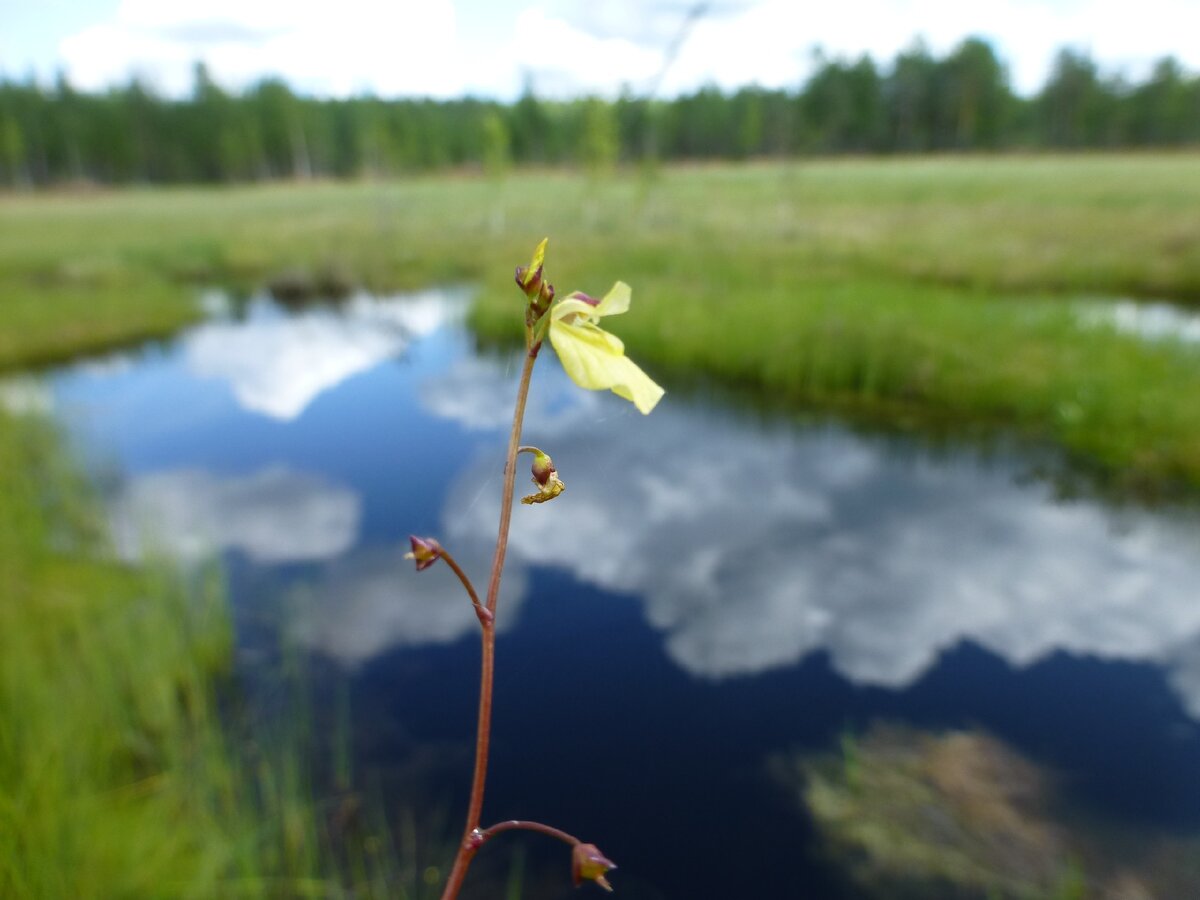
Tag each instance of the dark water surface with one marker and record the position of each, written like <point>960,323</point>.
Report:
<point>713,593</point>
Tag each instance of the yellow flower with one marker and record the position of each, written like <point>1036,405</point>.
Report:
<point>594,358</point>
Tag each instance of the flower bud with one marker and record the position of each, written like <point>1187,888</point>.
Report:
<point>543,468</point>
<point>529,278</point>
<point>542,301</point>
<point>530,281</point>
<point>426,551</point>
<point>545,479</point>
<point>588,863</point>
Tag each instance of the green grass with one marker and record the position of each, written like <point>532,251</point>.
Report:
<point>933,287</point>
<point>118,778</point>
<point>115,779</point>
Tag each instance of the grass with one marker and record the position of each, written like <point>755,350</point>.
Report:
<point>932,287</point>
<point>118,777</point>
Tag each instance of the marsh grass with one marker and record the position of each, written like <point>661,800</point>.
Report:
<point>926,287</point>
<point>121,775</point>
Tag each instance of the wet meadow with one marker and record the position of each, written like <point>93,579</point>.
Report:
<point>915,528</point>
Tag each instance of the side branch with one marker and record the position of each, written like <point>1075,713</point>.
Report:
<point>480,610</point>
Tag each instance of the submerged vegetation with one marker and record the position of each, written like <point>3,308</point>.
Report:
<point>962,815</point>
<point>944,290</point>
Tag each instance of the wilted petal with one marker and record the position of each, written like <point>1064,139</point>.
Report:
<point>589,864</point>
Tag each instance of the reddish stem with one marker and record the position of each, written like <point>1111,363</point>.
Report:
<point>480,610</point>
<point>471,842</point>
<point>515,824</point>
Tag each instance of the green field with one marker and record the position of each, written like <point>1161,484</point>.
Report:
<point>937,289</point>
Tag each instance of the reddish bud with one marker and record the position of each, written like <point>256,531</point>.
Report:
<point>426,551</point>
<point>544,298</point>
<point>543,468</point>
<point>545,479</point>
<point>530,281</point>
<point>589,864</point>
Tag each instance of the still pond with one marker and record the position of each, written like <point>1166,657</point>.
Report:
<point>746,655</point>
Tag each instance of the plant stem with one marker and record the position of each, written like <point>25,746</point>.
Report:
<point>472,836</point>
<point>517,824</point>
<point>480,609</point>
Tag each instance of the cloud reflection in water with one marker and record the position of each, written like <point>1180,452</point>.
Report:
<point>374,600</point>
<point>275,515</point>
<point>278,363</point>
<point>751,549</point>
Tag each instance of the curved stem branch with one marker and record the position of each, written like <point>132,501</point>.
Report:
<point>517,824</point>
<point>480,609</point>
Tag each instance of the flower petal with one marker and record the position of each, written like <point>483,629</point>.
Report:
<point>616,301</point>
<point>570,307</point>
<point>596,360</point>
<point>637,387</point>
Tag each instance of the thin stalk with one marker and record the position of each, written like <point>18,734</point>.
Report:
<point>517,824</point>
<point>472,836</point>
<point>480,610</point>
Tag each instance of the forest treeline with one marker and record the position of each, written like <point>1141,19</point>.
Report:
<point>962,101</point>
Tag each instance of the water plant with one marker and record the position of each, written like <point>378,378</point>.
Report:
<point>596,360</point>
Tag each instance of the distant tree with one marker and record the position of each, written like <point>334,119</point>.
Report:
<point>908,96</point>
<point>748,117</point>
<point>1072,103</point>
<point>598,144</point>
<point>497,146</point>
<point>1164,110</point>
<point>842,107</point>
<point>699,125</point>
<point>977,101</point>
<point>919,102</point>
<point>527,125</point>
<point>12,151</point>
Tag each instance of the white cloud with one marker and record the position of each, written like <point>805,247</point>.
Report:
<point>275,515</point>
<point>329,49</point>
<point>569,60</point>
<point>443,48</point>
<point>278,364</point>
<point>769,43</point>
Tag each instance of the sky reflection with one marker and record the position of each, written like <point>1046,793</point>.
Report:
<point>278,363</point>
<point>275,515</point>
<point>748,546</point>
<point>751,548</point>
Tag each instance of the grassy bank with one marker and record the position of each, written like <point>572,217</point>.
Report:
<point>114,777</point>
<point>117,776</point>
<point>927,287</point>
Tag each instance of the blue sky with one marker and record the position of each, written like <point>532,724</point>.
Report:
<point>446,48</point>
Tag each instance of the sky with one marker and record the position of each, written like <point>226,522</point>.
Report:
<point>563,48</point>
